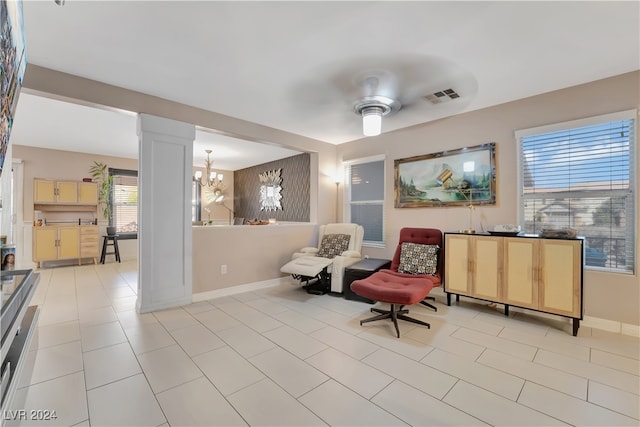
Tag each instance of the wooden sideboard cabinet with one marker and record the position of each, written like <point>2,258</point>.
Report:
<point>521,271</point>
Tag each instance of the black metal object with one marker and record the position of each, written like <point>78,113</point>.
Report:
<point>317,285</point>
<point>114,242</point>
<point>358,271</point>
<point>394,313</point>
<point>431,306</point>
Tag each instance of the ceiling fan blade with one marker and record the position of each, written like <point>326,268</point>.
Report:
<point>408,79</point>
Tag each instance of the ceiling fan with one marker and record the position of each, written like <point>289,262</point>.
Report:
<point>379,87</point>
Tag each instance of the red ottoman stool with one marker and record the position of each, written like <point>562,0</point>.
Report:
<point>397,289</point>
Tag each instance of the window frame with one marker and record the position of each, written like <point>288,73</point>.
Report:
<point>346,211</point>
<point>123,172</point>
<point>633,164</point>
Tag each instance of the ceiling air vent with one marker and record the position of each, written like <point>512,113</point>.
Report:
<point>442,96</point>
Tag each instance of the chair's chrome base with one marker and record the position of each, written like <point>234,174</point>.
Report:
<point>394,313</point>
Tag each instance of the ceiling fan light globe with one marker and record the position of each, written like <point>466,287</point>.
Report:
<point>371,121</point>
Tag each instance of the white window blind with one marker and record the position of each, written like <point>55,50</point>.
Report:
<point>125,202</point>
<point>365,204</point>
<point>583,178</point>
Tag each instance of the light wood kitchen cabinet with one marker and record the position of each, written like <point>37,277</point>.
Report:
<point>68,242</point>
<point>87,193</point>
<point>70,206</point>
<point>55,243</point>
<point>48,191</point>
<point>528,272</point>
<point>89,243</point>
<point>45,243</point>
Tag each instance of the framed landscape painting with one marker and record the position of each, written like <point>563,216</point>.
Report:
<point>448,178</point>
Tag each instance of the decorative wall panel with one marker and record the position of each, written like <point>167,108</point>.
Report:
<point>295,190</point>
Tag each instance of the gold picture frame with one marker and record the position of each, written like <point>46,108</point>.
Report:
<point>472,178</point>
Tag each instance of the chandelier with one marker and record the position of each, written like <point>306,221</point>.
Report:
<point>211,179</point>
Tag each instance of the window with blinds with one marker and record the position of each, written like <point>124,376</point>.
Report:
<point>365,198</point>
<point>125,201</point>
<point>581,175</point>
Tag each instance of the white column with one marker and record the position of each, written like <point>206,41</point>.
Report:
<point>164,210</point>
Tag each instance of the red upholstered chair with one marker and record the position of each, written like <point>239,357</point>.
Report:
<point>400,289</point>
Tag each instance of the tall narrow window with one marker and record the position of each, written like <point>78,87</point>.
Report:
<point>125,202</point>
<point>581,175</point>
<point>365,197</point>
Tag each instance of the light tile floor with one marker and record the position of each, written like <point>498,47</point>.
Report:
<point>280,356</point>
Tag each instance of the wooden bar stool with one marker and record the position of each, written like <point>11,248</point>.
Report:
<point>110,240</point>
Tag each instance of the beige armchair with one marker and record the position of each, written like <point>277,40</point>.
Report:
<point>311,262</point>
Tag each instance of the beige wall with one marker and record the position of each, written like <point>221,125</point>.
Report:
<point>606,295</point>
<point>252,253</point>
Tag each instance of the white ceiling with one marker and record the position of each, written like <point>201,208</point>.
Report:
<point>295,66</point>
<point>49,123</point>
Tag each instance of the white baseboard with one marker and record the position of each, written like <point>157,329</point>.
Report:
<point>162,306</point>
<point>611,326</point>
<point>628,329</point>
<point>203,296</point>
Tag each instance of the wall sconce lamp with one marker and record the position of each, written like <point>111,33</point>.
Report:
<point>212,179</point>
<point>448,175</point>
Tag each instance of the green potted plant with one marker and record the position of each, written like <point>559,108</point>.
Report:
<point>100,174</point>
